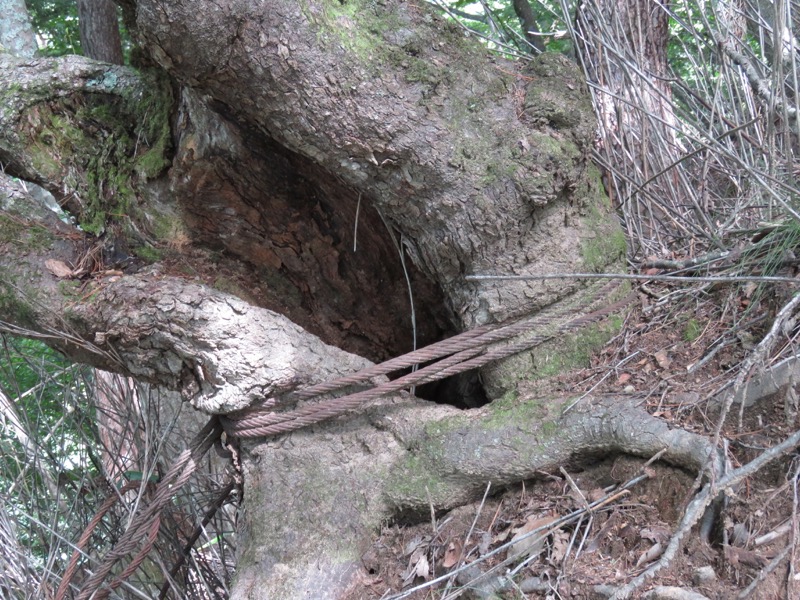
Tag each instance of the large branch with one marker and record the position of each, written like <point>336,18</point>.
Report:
<point>91,133</point>
<point>343,480</point>
<point>480,166</point>
<point>220,351</point>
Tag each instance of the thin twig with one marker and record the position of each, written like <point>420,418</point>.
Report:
<point>697,507</point>
<point>698,279</point>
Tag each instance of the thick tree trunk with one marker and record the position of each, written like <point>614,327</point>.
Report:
<point>16,31</point>
<point>624,52</point>
<point>480,167</point>
<point>217,204</point>
<point>99,29</point>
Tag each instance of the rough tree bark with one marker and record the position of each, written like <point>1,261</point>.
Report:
<point>217,198</point>
<point>624,52</point>
<point>99,30</point>
<point>16,32</point>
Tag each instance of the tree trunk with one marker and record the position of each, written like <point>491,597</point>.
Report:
<point>251,219</point>
<point>16,31</point>
<point>624,51</point>
<point>99,30</point>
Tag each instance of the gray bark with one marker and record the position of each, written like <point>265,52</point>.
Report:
<point>343,480</point>
<point>16,31</point>
<point>380,96</point>
<point>287,115</point>
<point>221,352</point>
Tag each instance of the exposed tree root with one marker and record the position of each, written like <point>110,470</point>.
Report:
<point>330,487</point>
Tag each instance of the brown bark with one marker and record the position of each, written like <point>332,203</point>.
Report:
<point>529,25</point>
<point>99,30</point>
<point>285,116</point>
<point>624,51</point>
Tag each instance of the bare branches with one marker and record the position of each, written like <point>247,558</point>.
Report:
<point>694,512</point>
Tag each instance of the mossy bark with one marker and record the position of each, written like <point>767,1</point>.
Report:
<point>333,486</point>
<point>310,160</point>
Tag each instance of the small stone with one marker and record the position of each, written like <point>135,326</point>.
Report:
<point>629,389</point>
<point>704,574</point>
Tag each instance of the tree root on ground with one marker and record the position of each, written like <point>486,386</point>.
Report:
<point>333,485</point>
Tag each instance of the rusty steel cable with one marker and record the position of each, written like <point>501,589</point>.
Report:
<point>478,338</point>
<point>460,353</point>
<point>144,523</point>
<point>264,422</point>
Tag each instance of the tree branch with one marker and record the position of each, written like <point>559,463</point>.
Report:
<point>220,351</point>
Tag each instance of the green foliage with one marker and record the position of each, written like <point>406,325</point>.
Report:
<point>56,25</point>
<point>501,28</point>
<point>43,442</point>
<point>63,448</point>
<point>45,385</point>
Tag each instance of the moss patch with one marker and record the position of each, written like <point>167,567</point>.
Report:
<point>31,236</point>
<point>375,36</point>
<point>415,481</point>
<point>148,253</point>
<point>100,145</point>
<point>574,351</point>
<point>561,353</point>
<point>11,307</point>
<point>607,244</point>
<point>692,330</point>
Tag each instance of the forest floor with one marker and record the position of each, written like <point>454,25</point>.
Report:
<point>677,351</point>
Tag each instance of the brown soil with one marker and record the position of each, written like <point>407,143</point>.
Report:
<point>655,357</point>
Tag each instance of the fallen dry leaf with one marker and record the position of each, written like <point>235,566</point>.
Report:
<point>418,566</point>
<point>423,568</point>
<point>532,545</point>
<point>653,553</point>
<point>452,554</point>
<point>655,533</point>
<point>58,268</point>
<point>662,358</point>
<point>560,545</point>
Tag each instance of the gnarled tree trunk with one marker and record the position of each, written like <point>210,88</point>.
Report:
<point>252,213</point>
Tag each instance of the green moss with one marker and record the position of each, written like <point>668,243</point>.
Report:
<point>595,184</point>
<point>560,149</point>
<point>148,253</point>
<point>574,351</point>
<point>150,164</point>
<point>100,144</point>
<point>692,330</point>
<point>602,250</point>
<point>414,479</point>
<point>12,307</point>
<point>69,288</point>
<point>607,245</point>
<point>509,411</point>
<point>17,232</point>
<point>376,36</point>
<point>440,427</point>
<point>354,25</point>
<point>153,113</point>
<point>549,429</point>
